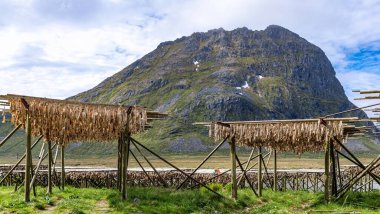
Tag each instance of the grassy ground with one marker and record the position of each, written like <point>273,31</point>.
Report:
<point>160,200</point>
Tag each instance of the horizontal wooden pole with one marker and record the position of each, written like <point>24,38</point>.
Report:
<point>281,121</point>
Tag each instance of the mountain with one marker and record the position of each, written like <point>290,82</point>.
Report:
<point>224,75</point>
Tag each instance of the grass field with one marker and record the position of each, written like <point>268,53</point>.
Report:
<point>160,200</point>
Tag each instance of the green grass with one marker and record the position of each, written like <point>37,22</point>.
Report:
<point>165,200</point>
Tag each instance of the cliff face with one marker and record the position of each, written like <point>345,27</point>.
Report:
<point>225,75</point>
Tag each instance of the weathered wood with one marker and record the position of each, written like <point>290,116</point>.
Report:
<point>204,161</point>
<point>178,169</point>
<point>355,160</point>
<point>327,171</point>
<point>28,152</point>
<point>150,164</point>
<point>126,146</point>
<point>333,179</point>
<point>38,165</point>
<point>245,175</point>
<point>119,162</point>
<point>62,167</point>
<point>233,169</point>
<point>50,163</point>
<point>141,166</point>
<point>259,175</point>
<point>275,169</point>
<point>356,179</point>
<point>246,166</point>
<point>10,135</point>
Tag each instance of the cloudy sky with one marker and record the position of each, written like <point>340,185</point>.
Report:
<point>57,48</point>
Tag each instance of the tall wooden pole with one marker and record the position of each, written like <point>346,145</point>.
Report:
<point>126,145</point>
<point>260,175</point>
<point>119,162</point>
<point>275,169</point>
<point>50,161</point>
<point>63,167</point>
<point>28,165</point>
<point>327,172</point>
<point>233,169</point>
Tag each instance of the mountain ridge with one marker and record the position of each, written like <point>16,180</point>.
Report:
<point>225,75</point>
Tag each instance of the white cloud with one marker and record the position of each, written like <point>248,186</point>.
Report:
<point>61,47</point>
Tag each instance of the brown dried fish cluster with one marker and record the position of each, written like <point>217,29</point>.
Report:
<point>297,137</point>
<point>66,121</point>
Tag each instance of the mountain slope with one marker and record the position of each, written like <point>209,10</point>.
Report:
<point>225,75</point>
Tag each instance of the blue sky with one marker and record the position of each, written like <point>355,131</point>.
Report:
<point>57,48</point>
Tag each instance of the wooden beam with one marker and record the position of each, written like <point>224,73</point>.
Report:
<point>204,161</point>
<point>119,161</point>
<point>50,163</point>
<point>178,169</point>
<point>245,175</point>
<point>41,158</point>
<point>246,166</point>
<point>28,152</point>
<point>260,175</point>
<point>19,161</point>
<point>327,171</point>
<point>62,167</point>
<point>275,169</point>
<point>10,135</point>
<point>126,146</point>
<point>280,121</point>
<point>370,167</point>
<point>233,169</point>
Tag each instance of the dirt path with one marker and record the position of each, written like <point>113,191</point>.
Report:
<point>102,207</point>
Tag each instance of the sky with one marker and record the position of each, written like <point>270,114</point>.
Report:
<point>58,48</point>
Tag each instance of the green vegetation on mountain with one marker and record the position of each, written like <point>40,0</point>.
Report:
<point>224,75</point>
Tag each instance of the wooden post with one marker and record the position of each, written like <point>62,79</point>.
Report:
<point>62,167</point>
<point>259,175</point>
<point>119,162</point>
<point>28,165</point>
<point>275,170</point>
<point>50,161</point>
<point>233,169</point>
<point>126,146</point>
<point>327,172</point>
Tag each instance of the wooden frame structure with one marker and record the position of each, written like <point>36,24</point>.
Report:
<point>79,121</point>
<point>64,122</point>
<point>300,135</point>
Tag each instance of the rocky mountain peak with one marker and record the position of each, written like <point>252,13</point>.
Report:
<point>227,75</point>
